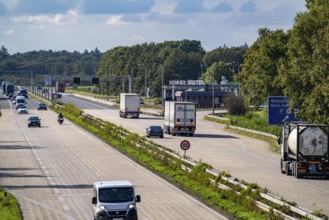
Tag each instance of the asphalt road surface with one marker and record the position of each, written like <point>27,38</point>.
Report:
<point>51,171</point>
<point>245,158</point>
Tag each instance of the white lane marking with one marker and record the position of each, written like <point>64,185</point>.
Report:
<point>67,208</point>
<point>88,102</point>
<point>47,207</point>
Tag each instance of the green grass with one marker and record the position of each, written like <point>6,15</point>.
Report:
<point>236,205</point>
<point>196,183</point>
<point>252,120</point>
<point>9,207</point>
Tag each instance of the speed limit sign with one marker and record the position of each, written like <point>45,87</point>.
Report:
<point>185,145</point>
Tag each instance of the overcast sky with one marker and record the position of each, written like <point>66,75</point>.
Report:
<point>27,25</point>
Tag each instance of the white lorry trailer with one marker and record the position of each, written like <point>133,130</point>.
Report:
<point>304,150</point>
<point>114,200</point>
<point>129,105</point>
<point>180,118</point>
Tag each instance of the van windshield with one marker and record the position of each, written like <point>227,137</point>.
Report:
<point>116,195</point>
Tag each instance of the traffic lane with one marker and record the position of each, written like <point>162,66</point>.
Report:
<point>20,171</point>
<point>82,103</point>
<point>243,157</point>
<point>157,195</point>
<point>4,102</point>
<point>72,159</point>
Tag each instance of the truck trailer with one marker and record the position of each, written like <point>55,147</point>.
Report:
<point>10,89</point>
<point>129,105</point>
<point>180,118</point>
<point>60,86</point>
<point>304,150</point>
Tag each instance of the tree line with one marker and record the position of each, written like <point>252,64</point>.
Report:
<point>293,64</point>
<point>148,65</point>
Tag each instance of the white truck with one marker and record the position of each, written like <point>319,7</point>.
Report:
<point>304,150</point>
<point>129,105</point>
<point>180,118</point>
<point>115,200</point>
<point>20,100</point>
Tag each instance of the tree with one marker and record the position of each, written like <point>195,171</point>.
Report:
<point>3,53</point>
<point>305,75</point>
<point>260,76</point>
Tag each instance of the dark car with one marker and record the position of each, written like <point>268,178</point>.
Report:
<point>33,121</point>
<point>23,92</point>
<point>154,130</point>
<point>42,106</point>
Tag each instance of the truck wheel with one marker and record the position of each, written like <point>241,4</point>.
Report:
<point>281,166</point>
<point>124,115</point>
<point>288,172</point>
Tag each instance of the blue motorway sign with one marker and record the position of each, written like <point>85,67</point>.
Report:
<point>279,111</point>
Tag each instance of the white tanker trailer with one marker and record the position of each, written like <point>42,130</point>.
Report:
<point>304,150</point>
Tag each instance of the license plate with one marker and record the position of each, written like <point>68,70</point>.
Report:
<point>117,218</point>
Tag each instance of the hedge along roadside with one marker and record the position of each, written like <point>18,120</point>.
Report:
<point>239,200</point>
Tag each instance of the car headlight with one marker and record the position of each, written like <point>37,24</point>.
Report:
<point>131,206</point>
<point>101,207</point>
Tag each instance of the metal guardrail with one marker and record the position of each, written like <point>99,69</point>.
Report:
<point>266,196</point>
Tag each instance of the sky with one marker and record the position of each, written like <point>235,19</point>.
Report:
<point>79,25</point>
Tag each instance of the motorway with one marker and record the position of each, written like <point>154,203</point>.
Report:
<point>51,171</point>
<point>243,157</point>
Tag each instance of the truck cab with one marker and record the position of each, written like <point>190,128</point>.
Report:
<point>115,200</point>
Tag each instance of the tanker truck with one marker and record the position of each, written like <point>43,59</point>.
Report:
<point>304,150</point>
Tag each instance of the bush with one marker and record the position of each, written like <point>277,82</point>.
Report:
<point>235,104</point>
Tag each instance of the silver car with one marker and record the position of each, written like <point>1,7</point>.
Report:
<point>22,110</point>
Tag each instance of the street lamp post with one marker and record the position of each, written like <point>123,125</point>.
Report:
<point>213,93</point>
<point>162,85</point>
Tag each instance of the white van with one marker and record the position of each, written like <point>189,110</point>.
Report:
<point>20,100</point>
<point>115,200</point>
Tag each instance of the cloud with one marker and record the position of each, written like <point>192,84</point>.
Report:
<point>70,17</point>
<point>164,8</point>
<point>35,7</point>
<point>115,20</point>
<point>116,6</point>
<point>9,32</point>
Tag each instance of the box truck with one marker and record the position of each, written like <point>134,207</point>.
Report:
<point>129,105</point>
<point>60,86</point>
<point>304,150</point>
<point>10,89</point>
<point>180,118</point>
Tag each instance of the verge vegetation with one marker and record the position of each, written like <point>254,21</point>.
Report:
<point>9,206</point>
<point>237,202</point>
